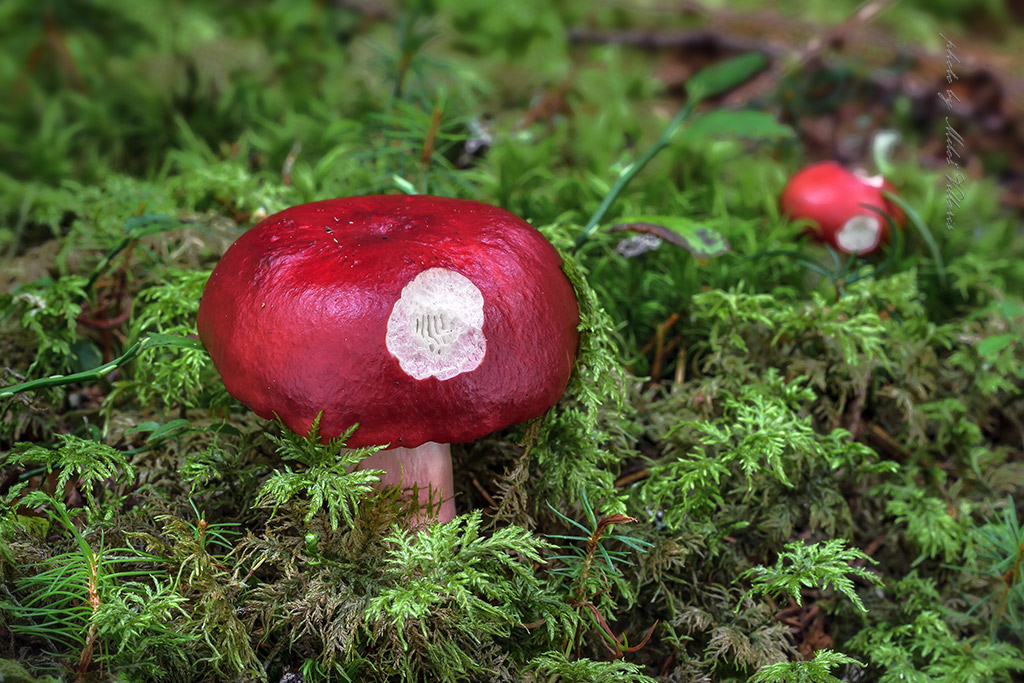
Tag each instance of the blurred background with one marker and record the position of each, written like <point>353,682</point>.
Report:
<point>94,86</point>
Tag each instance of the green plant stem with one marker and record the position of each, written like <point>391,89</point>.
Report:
<point>98,372</point>
<point>915,219</point>
<point>633,169</point>
<point>706,83</point>
<point>137,227</point>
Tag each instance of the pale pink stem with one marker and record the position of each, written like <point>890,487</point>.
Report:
<point>428,467</point>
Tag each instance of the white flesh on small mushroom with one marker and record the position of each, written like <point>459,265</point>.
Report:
<point>872,180</point>
<point>859,234</point>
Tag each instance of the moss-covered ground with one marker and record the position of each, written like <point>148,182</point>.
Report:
<point>773,462</point>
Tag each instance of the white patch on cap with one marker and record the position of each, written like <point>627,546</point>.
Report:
<point>436,326</point>
<point>859,234</point>
<point>872,180</point>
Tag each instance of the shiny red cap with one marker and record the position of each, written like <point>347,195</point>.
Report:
<point>421,318</point>
<point>831,196</point>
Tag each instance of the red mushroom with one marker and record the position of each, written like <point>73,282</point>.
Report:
<point>831,197</point>
<point>426,320</point>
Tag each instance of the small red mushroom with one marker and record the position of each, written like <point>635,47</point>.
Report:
<point>425,320</point>
<point>831,197</point>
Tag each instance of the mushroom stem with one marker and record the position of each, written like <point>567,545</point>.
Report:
<point>428,467</point>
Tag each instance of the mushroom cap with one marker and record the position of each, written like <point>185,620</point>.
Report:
<point>830,196</point>
<point>420,318</point>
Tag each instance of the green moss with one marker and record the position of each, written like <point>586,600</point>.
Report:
<point>769,425</point>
